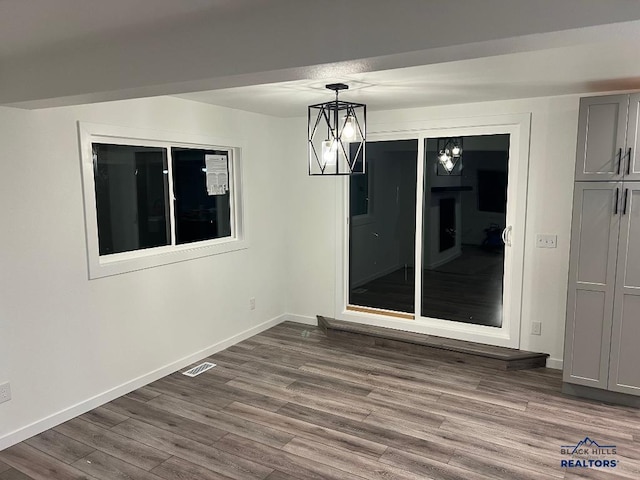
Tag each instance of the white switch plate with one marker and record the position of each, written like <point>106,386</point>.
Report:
<point>536,328</point>
<point>5,392</point>
<point>546,241</point>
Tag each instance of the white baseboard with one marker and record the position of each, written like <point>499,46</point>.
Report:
<point>555,363</point>
<point>62,416</point>
<point>290,317</point>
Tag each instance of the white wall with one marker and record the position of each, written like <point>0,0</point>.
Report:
<point>65,339</point>
<point>312,226</point>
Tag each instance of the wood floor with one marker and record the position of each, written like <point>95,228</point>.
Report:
<point>292,404</point>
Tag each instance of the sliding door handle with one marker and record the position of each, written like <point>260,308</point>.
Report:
<point>615,201</point>
<point>619,160</point>
<point>506,235</point>
<point>624,202</point>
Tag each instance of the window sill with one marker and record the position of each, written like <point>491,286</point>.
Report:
<point>155,257</point>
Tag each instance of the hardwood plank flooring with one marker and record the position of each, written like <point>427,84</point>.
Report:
<point>291,404</point>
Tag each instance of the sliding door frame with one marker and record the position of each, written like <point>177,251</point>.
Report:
<point>517,126</point>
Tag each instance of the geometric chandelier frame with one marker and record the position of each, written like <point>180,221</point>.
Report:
<point>337,136</point>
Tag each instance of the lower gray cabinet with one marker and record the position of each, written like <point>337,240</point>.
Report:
<point>624,375</point>
<point>592,272</point>
<point>602,341</point>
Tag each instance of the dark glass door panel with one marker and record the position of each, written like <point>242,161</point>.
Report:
<point>382,228</point>
<point>464,214</point>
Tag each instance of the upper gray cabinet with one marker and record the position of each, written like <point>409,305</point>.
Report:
<point>607,138</point>
<point>632,156</point>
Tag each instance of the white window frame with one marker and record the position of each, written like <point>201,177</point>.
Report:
<point>114,264</point>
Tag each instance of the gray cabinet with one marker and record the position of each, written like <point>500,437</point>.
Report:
<point>592,275</point>
<point>624,375</point>
<point>607,139</point>
<point>632,165</point>
<point>602,341</point>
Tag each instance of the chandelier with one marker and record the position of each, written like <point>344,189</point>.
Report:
<point>337,136</point>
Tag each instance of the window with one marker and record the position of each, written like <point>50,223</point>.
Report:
<point>132,197</point>
<point>360,190</point>
<point>150,201</point>
<point>200,215</point>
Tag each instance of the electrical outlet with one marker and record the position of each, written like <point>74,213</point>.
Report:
<point>536,328</point>
<point>546,241</point>
<point>252,303</point>
<point>5,392</point>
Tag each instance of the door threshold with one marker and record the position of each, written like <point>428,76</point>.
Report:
<point>381,311</point>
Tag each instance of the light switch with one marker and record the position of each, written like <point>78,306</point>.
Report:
<point>546,241</point>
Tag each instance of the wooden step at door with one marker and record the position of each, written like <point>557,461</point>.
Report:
<point>438,347</point>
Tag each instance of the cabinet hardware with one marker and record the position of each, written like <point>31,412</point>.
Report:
<point>624,202</point>
<point>629,162</point>
<point>619,160</point>
<point>615,202</point>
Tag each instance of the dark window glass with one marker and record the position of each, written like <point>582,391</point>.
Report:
<point>359,194</point>
<point>359,188</point>
<point>132,195</point>
<point>200,214</point>
<point>492,191</point>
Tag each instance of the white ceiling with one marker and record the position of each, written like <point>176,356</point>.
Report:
<point>403,53</point>
<point>29,25</point>
<point>607,66</point>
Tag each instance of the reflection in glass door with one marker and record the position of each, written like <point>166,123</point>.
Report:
<point>464,215</point>
<point>382,228</point>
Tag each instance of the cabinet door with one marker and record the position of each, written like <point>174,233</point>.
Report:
<point>631,157</point>
<point>624,375</point>
<point>602,130</point>
<point>592,267</point>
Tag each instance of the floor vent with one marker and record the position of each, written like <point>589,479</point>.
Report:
<point>203,367</point>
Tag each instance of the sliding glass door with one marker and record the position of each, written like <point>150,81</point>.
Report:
<point>382,226</point>
<point>464,215</point>
<point>431,237</point>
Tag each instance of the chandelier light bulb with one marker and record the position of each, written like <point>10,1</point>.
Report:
<point>456,151</point>
<point>329,148</point>
<point>348,131</point>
